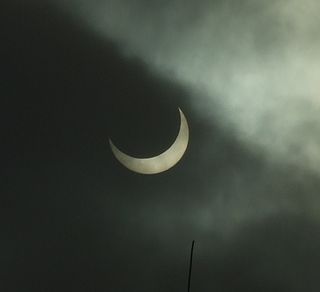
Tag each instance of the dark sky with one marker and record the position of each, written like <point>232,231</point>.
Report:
<point>73,219</point>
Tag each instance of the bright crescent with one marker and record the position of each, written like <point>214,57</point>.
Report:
<point>161,162</point>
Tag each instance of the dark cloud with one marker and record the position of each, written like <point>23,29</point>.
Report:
<point>73,219</point>
<point>277,254</point>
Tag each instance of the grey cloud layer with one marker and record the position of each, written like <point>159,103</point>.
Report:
<point>257,60</point>
<point>255,65</point>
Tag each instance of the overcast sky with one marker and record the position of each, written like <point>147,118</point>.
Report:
<point>79,72</point>
<point>257,60</point>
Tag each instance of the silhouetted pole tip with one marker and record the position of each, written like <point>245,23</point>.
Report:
<point>190,265</point>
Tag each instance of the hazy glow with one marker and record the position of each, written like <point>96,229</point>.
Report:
<point>258,62</point>
<point>254,65</point>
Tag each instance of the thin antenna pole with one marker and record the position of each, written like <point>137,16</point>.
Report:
<point>190,266</point>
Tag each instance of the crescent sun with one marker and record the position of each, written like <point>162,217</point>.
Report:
<point>161,162</point>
